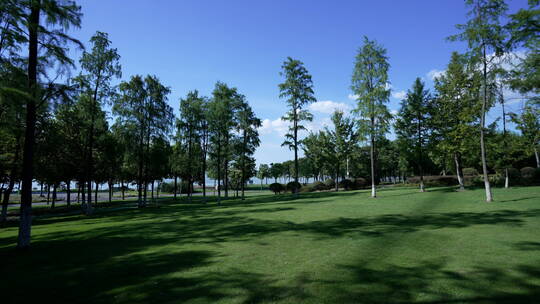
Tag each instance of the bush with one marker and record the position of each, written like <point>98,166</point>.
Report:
<point>435,180</point>
<point>530,175</point>
<point>329,184</point>
<point>292,186</point>
<point>169,187</point>
<point>318,186</point>
<point>346,184</point>
<point>360,183</point>
<point>470,172</point>
<point>276,188</point>
<point>528,172</point>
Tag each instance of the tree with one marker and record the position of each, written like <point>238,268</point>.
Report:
<point>298,91</point>
<point>144,115</point>
<point>413,124</point>
<point>263,173</point>
<point>189,133</point>
<point>60,16</point>
<point>484,33</point>
<point>247,125</point>
<point>100,66</point>
<point>342,140</point>
<point>370,86</point>
<point>220,115</point>
<point>529,125</point>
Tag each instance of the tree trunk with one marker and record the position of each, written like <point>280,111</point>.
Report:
<point>175,186</point>
<point>458,172</point>
<point>55,186</point>
<point>537,157</point>
<point>48,193</point>
<point>110,191</point>
<point>96,195</point>
<point>489,196</point>
<point>68,193</point>
<point>506,178</point>
<point>41,190</point>
<point>152,187</point>
<point>123,189</point>
<point>372,156</point>
<point>25,223</point>
<point>11,185</point>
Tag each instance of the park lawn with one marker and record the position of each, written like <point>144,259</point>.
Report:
<point>435,247</point>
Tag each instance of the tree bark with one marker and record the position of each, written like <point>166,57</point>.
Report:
<point>537,157</point>
<point>372,157</point>
<point>68,193</point>
<point>25,223</point>
<point>53,204</point>
<point>175,186</point>
<point>489,196</point>
<point>96,195</point>
<point>458,172</point>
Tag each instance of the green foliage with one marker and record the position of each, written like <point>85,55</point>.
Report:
<point>276,188</point>
<point>470,172</point>
<point>293,186</point>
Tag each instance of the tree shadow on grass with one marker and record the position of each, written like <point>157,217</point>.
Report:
<point>431,282</point>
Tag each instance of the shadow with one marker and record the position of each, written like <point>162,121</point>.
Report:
<point>528,246</point>
<point>430,281</point>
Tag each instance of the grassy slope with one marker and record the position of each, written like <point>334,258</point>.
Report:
<point>404,246</point>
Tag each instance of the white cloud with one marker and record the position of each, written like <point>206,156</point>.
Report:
<point>399,94</point>
<point>328,106</point>
<point>277,125</point>
<point>353,97</point>
<point>394,112</point>
<point>435,73</point>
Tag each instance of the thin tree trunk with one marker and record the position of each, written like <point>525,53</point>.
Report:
<point>123,189</point>
<point>489,196</point>
<point>55,186</point>
<point>175,186</point>
<point>11,185</point>
<point>152,187</point>
<point>48,193</point>
<point>110,191</point>
<point>41,190</point>
<point>372,156</point>
<point>537,157</point>
<point>96,194</point>
<point>295,152</point>
<point>458,172</point>
<point>506,178</point>
<point>68,193</point>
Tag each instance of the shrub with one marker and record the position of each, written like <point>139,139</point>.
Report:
<point>292,186</point>
<point>276,188</point>
<point>329,184</point>
<point>530,175</point>
<point>435,180</point>
<point>528,172</point>
<point>470,172</point>
<point>346,184</point>
<point>318,186</point>
<point>359,183</point>
<point>307,188</point>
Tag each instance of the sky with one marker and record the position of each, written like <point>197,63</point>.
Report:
<point>193,44</point>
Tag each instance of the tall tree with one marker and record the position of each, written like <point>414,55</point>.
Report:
<point>413,125</point>
<point>297,89</point>
<point>528,122</point>
<point>99,67</point>
<point>487,41</point>
<point>51,37</point>
<point>143,113</point>
<point>189,132</point>
<point>247,125</point>
<point>370,86</point>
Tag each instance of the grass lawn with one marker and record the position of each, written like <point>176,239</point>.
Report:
<point>436,247</point>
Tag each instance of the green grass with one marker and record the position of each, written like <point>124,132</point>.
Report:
<point>436,247</point>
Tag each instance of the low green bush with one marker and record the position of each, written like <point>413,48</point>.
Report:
<point>470,172</point>
<point>277,188</point>
<point>346,184</point>
<point>293,186</point>
<point>329,184</point>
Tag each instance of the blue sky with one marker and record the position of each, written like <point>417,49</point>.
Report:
<point>192,44</point>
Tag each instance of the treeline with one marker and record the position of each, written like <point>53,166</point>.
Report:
<point>57,129</point>
<point>439,132</point>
